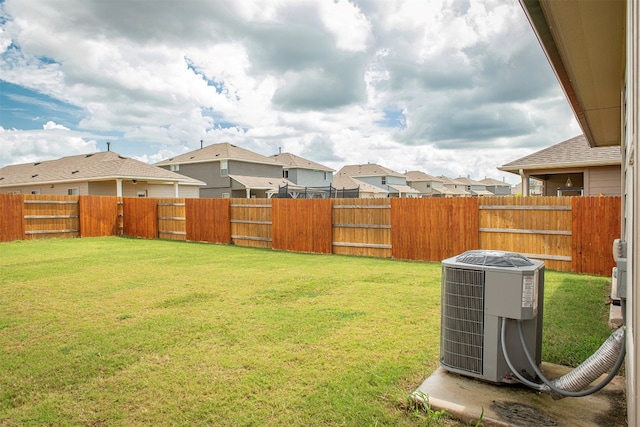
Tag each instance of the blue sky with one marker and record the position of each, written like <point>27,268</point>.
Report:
<point>448,87</point>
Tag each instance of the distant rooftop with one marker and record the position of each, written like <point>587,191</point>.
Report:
<point>574,152</point>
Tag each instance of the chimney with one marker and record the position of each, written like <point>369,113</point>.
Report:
<point>201,143</point>
<point>108,146</point>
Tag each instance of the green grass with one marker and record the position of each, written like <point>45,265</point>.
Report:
<point>115,331</point>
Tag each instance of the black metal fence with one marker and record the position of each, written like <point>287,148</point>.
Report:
<point>329,192</point>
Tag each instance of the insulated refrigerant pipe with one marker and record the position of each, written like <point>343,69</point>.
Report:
<point>609,356</point>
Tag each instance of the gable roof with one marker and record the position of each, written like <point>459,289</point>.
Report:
<point>574,152</point>
<point>341,181</point>
<point>494,182</point>
<point>418,176</point>
<point>260,183</point>
<point>369,169</point>
<point>88,167</point>
<point>467,181</point>
<point>289,160</point>
<point>216,153</point>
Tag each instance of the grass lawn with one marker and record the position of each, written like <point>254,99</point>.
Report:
<point>116,331</point>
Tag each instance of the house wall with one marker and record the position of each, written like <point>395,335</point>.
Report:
<point>423,187</point>
<point>310,178</point>
<point>217,185</point>
<point>59,189</point>
<point>631,205</point>
<point>559,180</point>
<point>499,190</point>
<point>603,181</point>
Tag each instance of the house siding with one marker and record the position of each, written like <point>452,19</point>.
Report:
<point>58,189</point>
<point>604,181</point>
<point>309,178</point>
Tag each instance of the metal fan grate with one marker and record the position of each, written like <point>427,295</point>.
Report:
<point>463,319</point>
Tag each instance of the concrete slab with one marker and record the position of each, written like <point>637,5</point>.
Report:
<point>466,398</point>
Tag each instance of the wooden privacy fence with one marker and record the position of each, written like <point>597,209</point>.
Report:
<point>568,233</point>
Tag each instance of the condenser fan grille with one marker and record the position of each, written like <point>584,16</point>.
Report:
<point>463,319</point>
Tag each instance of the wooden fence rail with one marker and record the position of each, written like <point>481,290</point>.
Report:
<point>568,233</point>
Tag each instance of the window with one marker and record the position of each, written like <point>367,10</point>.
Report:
<point>225,195</point>
<point>326,176</point>
<point>285,173</point>
<point>142,193</point>
<point>224,168</point>
<point>384,180</point>
<point>72,191</point>
<point>174,168</point>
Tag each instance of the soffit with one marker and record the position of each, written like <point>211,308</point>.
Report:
<point>584,42</point>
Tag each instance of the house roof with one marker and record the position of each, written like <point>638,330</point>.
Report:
<point>341,181</point>
<point>494,182</point>
<point>404,189</point>
<point>289,160</point>
<point>418,176</point>
<point>216,153</point>
<point>88,167</point>
<point>451,191</point>
<point>467,181</point>
<point>369,169</point>
<point>260,183</point>
<point>574,152</point>
<point>584,43</point>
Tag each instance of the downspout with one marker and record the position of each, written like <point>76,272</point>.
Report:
<point>118,187</point>
<point>525,183</point>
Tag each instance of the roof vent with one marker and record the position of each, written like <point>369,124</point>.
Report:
<point>191,157</point>
<point>122,157</point>
<point>1,178</point>
<point>34,175</point>
<point>36,163</point>
<point>75,171</point>
<point>89,155</point>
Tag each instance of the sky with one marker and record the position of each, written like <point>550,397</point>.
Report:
<point>446,87</point>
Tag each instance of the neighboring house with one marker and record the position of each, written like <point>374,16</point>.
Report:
<point>476,188</point>
<point>452,188</point>
<point>393,182</point>
<point>423,182</point>
<point>303,172</point>
<point>535,188</point>
<point>571,168</point>
<point>365,190</point>
<point>229,171</point>
<point>97,174</point>
<point>496,187</point>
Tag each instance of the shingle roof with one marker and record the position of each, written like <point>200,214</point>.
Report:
<point>467,181</point>
<point>344,181</point>
<point>260,183</point>
<point>291,160</point>
<point>217,152</point>
<point>87,167</point>
<point>369,169</point>
<point>418,176</point>
<point>494,182</point>
<point>574,152</point>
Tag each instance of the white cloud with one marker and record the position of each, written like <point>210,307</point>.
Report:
<point>311,76</point>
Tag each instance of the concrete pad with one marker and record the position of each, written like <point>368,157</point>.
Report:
<point>466,398</point>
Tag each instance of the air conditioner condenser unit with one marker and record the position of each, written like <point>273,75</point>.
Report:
<point>479,289</point>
